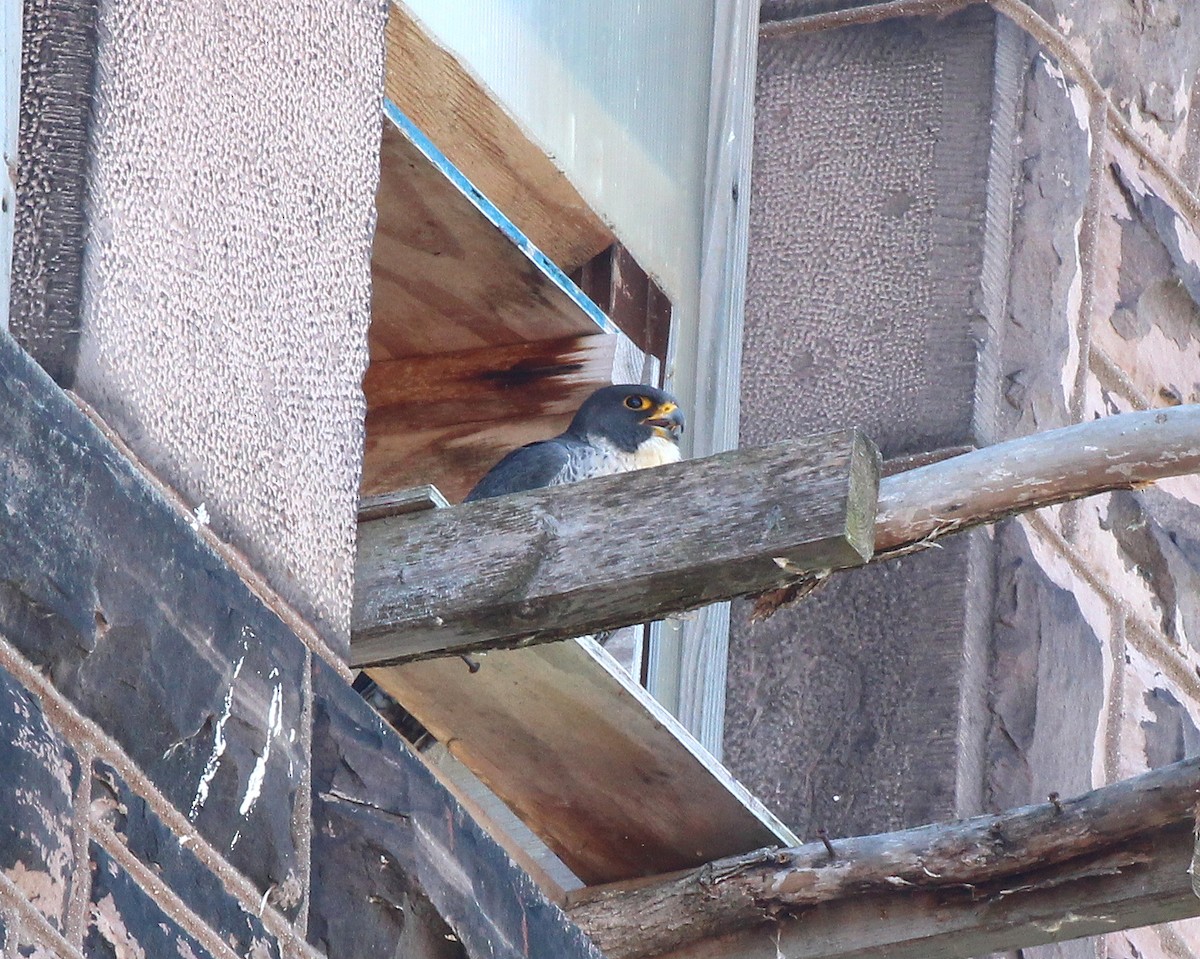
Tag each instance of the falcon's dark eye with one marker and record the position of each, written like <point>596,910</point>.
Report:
<point>637,402</point>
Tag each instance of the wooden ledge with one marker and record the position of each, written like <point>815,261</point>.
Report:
<point>572,560</point>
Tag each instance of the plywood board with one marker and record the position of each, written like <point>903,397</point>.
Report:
<point>586,758</point>
<point>447,419</point>
<point>449,270</point>
<point>440,94</point>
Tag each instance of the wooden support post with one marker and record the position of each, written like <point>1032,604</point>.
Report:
<point>555,563</point>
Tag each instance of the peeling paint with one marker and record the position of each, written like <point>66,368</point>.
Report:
<point>42,890</point>
<point>106,917</point>
<point>1075,93</point>
<point>1069,919</point>
<point>200,517</point>
<point>1099,619</point>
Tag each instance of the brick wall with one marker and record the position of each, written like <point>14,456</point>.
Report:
<point>179,773</point>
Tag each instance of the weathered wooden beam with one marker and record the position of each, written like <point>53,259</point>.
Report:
<point>1114,858</point>
<point>1116,452</point>
<point>555,563</point>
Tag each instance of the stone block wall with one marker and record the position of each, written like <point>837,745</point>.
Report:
<point>1058,651</point>
<point>1096,673</point>
<point>180,774</point>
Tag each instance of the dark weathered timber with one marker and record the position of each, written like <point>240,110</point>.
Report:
<point>555,563</point>
<point>1114,858</point>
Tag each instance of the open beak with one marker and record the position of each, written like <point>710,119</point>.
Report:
<point>667,420</point>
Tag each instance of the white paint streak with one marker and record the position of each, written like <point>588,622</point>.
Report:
<point>200,517</point>
<point>218,750</point>
<point>1075,93</point>
<point>1074,304</point>
<point>258,774</point>
<point>1071,918</point>
<point>1098,616</point>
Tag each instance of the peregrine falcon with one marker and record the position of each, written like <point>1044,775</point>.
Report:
<point>618,429</point>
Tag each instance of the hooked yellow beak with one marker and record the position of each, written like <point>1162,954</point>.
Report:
<point>666,419</point>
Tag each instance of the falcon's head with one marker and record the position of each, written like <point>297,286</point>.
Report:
<point>635,419</point>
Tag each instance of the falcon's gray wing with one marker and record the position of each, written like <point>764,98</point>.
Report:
<point>545,463</point>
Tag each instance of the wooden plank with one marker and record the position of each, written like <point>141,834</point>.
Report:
<point>400,503</point>
<point>459,115</point>
<point>447,274</point>
<point>451,458</point>
<point>494,383</point>
<point>555,563</point>
<point>471,324</point>
<point>1114,858</point>
<point>586,758</point>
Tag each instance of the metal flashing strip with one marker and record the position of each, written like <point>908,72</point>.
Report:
<point>493,214</point>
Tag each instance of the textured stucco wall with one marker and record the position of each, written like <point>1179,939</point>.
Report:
<point>234,156</point>
<point>863,296</point>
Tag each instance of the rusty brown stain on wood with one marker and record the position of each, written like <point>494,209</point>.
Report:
<point>447,419</point>
<point>458,114</point>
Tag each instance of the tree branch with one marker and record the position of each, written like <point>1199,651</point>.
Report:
<point>969,865</point>
<point>921,505</point>
<point>983,486</point>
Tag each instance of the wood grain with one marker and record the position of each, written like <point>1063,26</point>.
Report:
<point>982,486</point>
<point>459,115</point>
<point>586,758</point>
<point>447,419</point>
<point>1114,858</point>
<point>452,458</point>
<point>444,277</point>
<point>555,563</point>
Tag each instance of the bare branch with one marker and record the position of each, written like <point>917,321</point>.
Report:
<point>971,865</point>
<point>921,505</point>
<point>1117,452</point>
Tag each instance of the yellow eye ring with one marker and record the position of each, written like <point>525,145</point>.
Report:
<point>637,403</point>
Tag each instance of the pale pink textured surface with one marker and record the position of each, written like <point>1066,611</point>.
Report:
<point>226,300</point>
